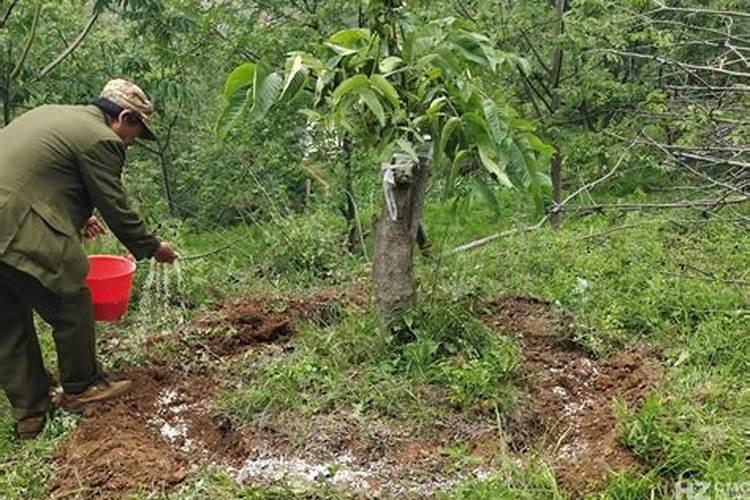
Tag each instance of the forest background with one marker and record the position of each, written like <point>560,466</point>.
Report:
<point>597,159</point>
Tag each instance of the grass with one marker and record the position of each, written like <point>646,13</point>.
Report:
<point>352,364</point>
<point>677,282</point>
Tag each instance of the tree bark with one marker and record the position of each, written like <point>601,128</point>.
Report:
<point>393,264</point>
<point>557,63</point>
<point>349,209</point>
<point>8,94</point>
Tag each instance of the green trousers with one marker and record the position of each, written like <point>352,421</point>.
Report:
<point>22,373</point>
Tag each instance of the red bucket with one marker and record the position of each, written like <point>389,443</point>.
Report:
<point>110,280</point>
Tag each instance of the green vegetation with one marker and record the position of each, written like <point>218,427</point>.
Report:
<point>350,364</point>
<point>603,142</point>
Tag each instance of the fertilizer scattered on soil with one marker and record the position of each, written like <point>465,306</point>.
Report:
<point>370,481</point>
<point>162,299</point>
<point>153,438</point>
<point>571,394</point>
<point>169,427</point>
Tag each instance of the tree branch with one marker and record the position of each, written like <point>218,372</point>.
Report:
<point>71,48</point>
<point>555,210</point>
<point>711,159</point>
<point>680,64</point>
<point>629,207</point>
<point>8,13</point>
<point>32,35</point>
<point>730,13</point>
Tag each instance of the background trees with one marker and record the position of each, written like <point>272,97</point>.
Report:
<point>622,122</point>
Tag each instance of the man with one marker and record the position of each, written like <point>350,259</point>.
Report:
<point>58,163</point>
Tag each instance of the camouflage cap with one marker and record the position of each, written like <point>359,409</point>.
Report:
<point>129,96</point>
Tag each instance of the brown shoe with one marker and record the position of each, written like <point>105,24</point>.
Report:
<point>30,427</point>
<point>101,390</point>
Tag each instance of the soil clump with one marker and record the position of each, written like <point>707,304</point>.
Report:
<point>152,438</point>
<point>569,410</point>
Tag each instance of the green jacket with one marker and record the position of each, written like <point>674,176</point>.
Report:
<point>56,164</point>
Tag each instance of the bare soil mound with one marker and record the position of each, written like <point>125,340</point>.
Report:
<point>152,438</point>
<point>260,320</point>
<point>571,394</point>
<point>169,427</point>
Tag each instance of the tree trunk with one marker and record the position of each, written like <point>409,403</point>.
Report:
<point>165,158</point>
<point>556,175</point>
<point>556,73</point>
<point>393,265</point>
<point>8,94</point>
<point>349,210</point>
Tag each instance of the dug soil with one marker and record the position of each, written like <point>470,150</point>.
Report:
<point>170,427</point>
<point>569,409</point>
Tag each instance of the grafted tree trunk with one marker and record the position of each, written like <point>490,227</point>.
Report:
<point>393,265</point>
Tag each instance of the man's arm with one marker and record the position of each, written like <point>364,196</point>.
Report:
<point>101,169</point>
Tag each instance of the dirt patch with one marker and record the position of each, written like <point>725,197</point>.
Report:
<point>368,459</point>
<point>253,325</point>
<point>168,427</point>
<point>151,438</point>
<point>571,394</point>
<point>267,319</point>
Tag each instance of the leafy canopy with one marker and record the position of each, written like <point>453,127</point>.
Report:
<point>431,83</point>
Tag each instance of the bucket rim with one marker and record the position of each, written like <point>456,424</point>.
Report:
<point>108,257</point>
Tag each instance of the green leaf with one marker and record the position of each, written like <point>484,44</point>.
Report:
<point>497,127</point>
<point>522,125</point>
<point>294,80</point>
<point>486,156</point>
<point>521,169</point>
<point>468,51</point>
<point>240,79</point>
<point>541,147</point>
<point>349,38</point>
<point>311,114</point>
<point>353,84</point>
<point>488,195</point>
<point>238,93</point>
<point>371,100</point>
<point>232,112</point>
<point>458,162</point>
<point>339,50</point>
<point>390,64</point>
<point>436,106</point>
<point>476,127</point>
<point>544,179</point>
<point>324,78</point>
<point>380,83</point>
<point>449,129</point>
<point>309,61</point>
<point>525,168</point>
<point>268,87</point>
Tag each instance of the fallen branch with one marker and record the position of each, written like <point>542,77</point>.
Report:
<point>730,13</point>
<point>658,206</point>
<point>555,210</point>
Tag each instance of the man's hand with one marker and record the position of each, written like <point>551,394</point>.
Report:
<point>165,253</point>
<point>93,228</point>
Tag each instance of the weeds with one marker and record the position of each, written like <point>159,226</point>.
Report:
<point>355,363</point>
<point>681,289</point>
